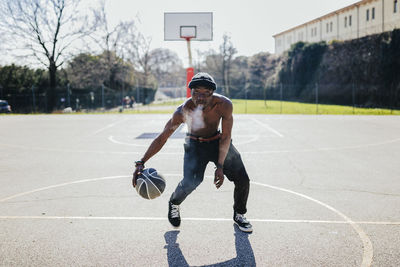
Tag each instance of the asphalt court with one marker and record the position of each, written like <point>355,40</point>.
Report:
<point>325,191</point>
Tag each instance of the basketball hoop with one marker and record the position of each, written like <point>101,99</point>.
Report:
<point>189,26</point>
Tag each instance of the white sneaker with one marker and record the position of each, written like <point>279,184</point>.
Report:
<point>243,224</point>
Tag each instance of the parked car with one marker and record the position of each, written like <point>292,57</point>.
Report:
<point>4,107</point>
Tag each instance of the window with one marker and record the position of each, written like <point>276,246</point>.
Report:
<point>367,15</point>
<point>373,13</point>
<point>279,43</point>
<point>331,26</point>
<point>314,31</point>
<point>350,20</point>
<point>345,22</point>
<point>395,7</point>
<point>327,27</point>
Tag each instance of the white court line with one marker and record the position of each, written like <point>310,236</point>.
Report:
<point>266,126</point>
<point>367,244</point>
<point>235,143</point>
<point>109,126</point>
<point>130,218</point>
<point>324,148</point>
<point>251,138</point>
<point>60,185</point>
<point>77,150</point>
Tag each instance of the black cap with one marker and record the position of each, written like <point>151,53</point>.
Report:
<point>203,79</point>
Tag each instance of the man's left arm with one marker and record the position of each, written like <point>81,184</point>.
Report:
<point>224,142</point>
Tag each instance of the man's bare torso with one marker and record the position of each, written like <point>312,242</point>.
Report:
<point>203,121</point>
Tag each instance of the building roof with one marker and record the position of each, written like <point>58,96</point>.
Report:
<point>363,2</point>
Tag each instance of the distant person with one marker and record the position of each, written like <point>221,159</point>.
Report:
<point>132,102</point>
<point>204,143</point>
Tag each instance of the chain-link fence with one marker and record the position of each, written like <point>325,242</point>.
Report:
<point>79,100</point>
<point>352,94</point>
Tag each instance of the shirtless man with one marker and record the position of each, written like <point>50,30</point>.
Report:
<point>204,143</point>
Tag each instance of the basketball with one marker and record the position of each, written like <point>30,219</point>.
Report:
<point>150,184</point>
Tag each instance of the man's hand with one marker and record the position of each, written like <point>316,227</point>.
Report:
<point>136,173</point>
<point>219,177</point>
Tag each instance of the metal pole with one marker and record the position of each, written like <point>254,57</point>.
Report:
<point>189,52</point>
<point>122,93</point>
<point>245,95</point>
<point>353,96</point>
<point>137,91</point>
<point>281,89</point>
<point>265,96</point>
<point>102,96</point>
<point>68,96</point>
<point>189,70</point>
<point>33,99</point>
<point>316,97</point>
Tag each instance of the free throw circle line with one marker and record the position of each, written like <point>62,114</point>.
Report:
<point>367,244</point>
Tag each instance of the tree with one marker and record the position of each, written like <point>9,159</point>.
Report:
<point>167,68</point>
<point>239,75</point>
<point>261,67</point>
<point>137,50</point>
<point>213,65</point>
<point>91,71</point>
<point>227,52</point>
<point>111,41</point>
<point>44,30</point>
<point>86,71</point>
<point>20,79</point>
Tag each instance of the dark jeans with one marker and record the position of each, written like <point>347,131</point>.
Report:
<point>197,156</point>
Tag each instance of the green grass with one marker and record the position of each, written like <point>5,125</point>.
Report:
<point>241,106</point>
<point>277,107</point>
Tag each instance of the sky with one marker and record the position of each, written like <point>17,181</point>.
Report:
<point>251,24</point>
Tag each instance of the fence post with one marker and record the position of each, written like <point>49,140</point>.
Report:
<point>281,94</point>
<point>353,96</point>
<point>265,96</point>
<point>316,97</point>
<point>33,99</point>
<point>102,96</point>
<point>68,96</point>
<point>245,95</point>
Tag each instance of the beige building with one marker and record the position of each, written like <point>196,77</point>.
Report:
<point>355,21</point>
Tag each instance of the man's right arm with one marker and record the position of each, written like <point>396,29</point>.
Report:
<point>160,140</point>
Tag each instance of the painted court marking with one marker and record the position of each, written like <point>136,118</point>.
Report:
<point>130,218</point>
<point>266,126</point>
<point>109,126</point>
<point>367,244</point>
<point>251,138</point>
<point>338,148</point>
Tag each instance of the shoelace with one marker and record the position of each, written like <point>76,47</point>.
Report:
<point>174,211</point>
<point>241,218</point>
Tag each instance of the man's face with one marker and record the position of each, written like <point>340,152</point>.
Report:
<point>201,95</point>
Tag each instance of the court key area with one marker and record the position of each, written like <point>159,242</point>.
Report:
<point>325,191</point>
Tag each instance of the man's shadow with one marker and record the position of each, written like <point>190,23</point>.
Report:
<point>244,251</point>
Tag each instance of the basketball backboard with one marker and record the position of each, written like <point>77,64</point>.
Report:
<point>179,26</point>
